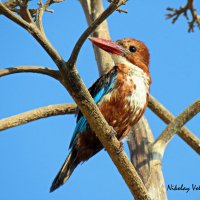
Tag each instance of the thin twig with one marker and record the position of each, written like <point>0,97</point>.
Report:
<point>41,9</point>
<point>24,11</point>
<point>167,117</point>
<point>183,11</point>
<point>113,6</point>
<point>122,10</point>
<point>119,9</point>
<point>8,13</point>
<point>11,4</point>
<point>92,10</point>
<point>39,113</point>
<point>33,69</point>
<point>39,36</point>
<point>39,15</point>
<point>161,143</point>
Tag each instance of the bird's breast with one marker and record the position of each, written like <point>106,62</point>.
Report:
<point>123,106</point>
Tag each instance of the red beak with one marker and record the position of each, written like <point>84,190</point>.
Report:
<point>108,46</point>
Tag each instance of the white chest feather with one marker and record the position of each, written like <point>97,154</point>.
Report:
<point>139,78</point>
<point>139,95</point>
<point>128,97</point>
<point>125,102</point>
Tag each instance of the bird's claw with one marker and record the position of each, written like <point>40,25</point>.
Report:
<point>121,148</point>
<point>112,133</point>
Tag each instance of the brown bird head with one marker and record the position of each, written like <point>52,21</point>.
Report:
<point>127,49</point>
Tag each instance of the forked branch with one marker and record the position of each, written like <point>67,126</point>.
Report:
<point>176,13</point>
<point>92,10</point>
<point>41,9</point>
<point>113,6</point>
<point>165,137</point>
<point>167,117</point>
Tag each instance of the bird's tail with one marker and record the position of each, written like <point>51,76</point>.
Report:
<point>66,170</point>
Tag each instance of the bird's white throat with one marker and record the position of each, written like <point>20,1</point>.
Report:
<point>137,76</point>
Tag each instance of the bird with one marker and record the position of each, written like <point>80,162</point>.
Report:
<point>121,95</point>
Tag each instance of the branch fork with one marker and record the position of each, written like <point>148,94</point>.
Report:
<point>176,13</point>
<point>165,137</point>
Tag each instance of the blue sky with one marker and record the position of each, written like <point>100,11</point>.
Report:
<point>32,154</point>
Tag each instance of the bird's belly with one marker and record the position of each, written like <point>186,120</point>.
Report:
<point>122,108</point>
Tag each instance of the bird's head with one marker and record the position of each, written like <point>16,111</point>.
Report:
<point>125,50</point>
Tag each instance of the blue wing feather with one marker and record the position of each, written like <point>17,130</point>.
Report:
<point>102,86</point>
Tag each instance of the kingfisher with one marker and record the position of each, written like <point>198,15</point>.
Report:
<point>121,95</point>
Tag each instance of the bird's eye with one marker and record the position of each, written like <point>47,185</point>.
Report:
<point>132,49</point>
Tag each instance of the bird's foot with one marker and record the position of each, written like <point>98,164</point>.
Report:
<point>121,148</point>
<point>112,132</point>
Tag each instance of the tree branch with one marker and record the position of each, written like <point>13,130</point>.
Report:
<point>160,144</point>
<point>40,12</point>
<point>24,11</point>
<point>8,13</point>
<point>92,10</point>
<point>36,33</point>
<point>113,6</point>
<point>140,140</point>
<point>39,113</point>
<point>33,69</point>
<point>183,10</point>
<point>11,4</point>
<point>167,117</point>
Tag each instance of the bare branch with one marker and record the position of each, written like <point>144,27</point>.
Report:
<point>33,69</point>
<point>38,35</point>
<point>167,117</point>
<point>165,137</point>
<point>122,10</point>
<point>24,11</point>
<point>44,112</point>
<point>9,14</point>
<point>40,12</point>
<point>183,11</point>
<point>39,15</point>
<point>140,140</point>
<point>119,9</point>
<point>113,6</point>
<point>92,10</point>
<point>11,4</point>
